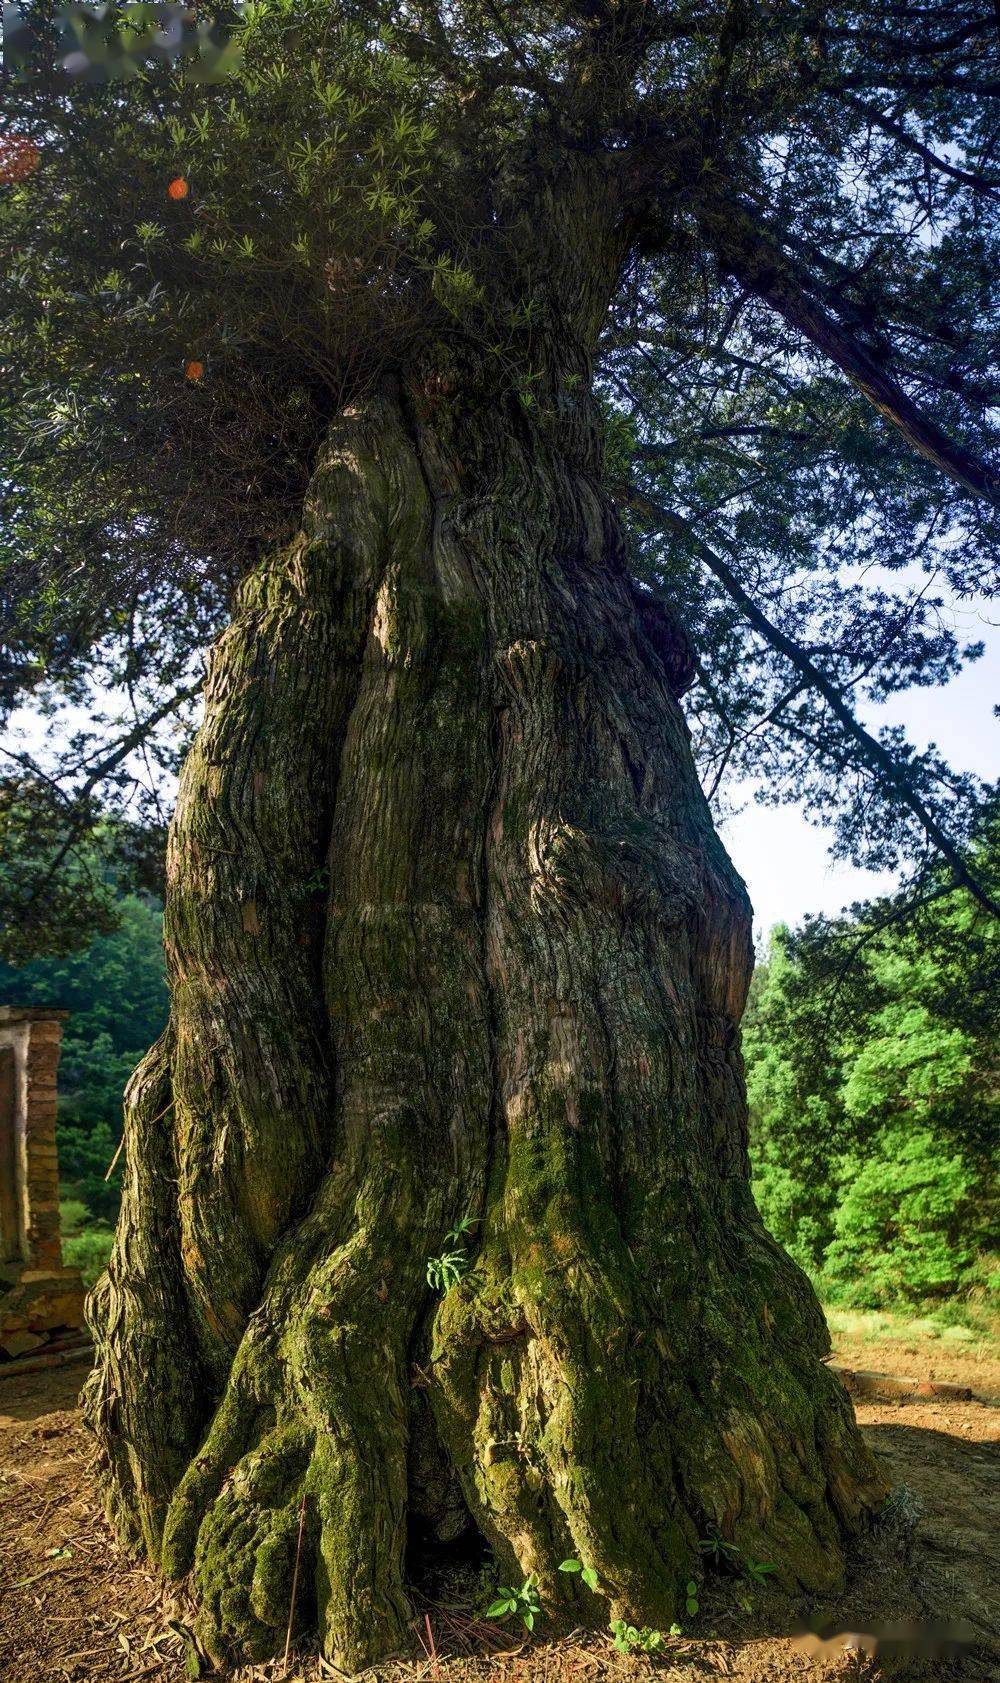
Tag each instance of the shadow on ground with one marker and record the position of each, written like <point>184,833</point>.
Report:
<point>73,1610</point>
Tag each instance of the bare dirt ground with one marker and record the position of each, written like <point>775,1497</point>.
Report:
<point>917,1348</point>
<point>72,1610</point>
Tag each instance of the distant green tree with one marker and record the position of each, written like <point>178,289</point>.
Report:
<point>909,1224</point>
<point>115,991</point>
<point>875,1099</point>
<point>795,1104</point>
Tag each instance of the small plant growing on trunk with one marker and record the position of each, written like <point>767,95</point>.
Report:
<point>730,1554</point>
<point>718,1550</point>
<point>587,1573</point>
<point>452,1265</point>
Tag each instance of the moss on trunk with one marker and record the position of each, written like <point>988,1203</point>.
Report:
<point>451,934</point>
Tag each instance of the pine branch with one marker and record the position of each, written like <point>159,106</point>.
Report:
<point>746,252</point>
<point>873,752</point>
<point>77,802</point>
<point>897,81</point>
<point>878,119</point>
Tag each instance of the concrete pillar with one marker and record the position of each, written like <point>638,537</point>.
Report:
<point>38,1296</point>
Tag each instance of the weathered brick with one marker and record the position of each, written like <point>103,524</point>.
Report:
<point>38,1294</point>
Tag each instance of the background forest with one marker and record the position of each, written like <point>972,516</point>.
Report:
<point>115,990</point>
<point>874,1102</point>
<point>873,1076</point>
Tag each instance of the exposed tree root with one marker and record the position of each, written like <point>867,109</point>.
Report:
<point>317,1402</point>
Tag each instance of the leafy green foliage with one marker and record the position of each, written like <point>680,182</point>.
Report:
<point>718,1550</point>
<point>522,1601</point>
<point>875,1107</point>
<point>453,1264</point>
<point>723,1553</point>
<point>446,1270</point>
<point>297,244</point>
<point>86,1243</point>
<point>587,1573</point>
<point>46,907</point>
<point>630,1639</point>
<point>909,1219</point>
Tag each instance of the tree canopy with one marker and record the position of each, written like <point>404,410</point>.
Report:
<point>798,367</point>
<point>874,1098</point>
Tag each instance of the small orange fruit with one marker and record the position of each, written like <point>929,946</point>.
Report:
<point>178,188</point>
<point>194,370</point>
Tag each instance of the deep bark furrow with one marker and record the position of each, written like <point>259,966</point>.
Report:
<point>246,871</point>
<point>144,1399</point>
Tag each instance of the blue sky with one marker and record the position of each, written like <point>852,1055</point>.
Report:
<point>785,861</point>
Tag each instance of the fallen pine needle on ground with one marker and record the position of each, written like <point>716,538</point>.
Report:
<point>74,1610</point>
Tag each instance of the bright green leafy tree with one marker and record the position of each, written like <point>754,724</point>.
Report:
<point>875,1100</point>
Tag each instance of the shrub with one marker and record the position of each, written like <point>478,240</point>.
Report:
<point>88,1251</point>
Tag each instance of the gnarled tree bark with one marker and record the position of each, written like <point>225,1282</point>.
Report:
<point>450,934</point>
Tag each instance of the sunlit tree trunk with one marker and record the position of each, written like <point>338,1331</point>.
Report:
<point>450,934</point>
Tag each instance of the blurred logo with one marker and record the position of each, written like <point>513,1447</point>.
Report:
<point>115,43</point>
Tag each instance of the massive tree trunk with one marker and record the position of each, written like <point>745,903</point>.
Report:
<point>450,935</point>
